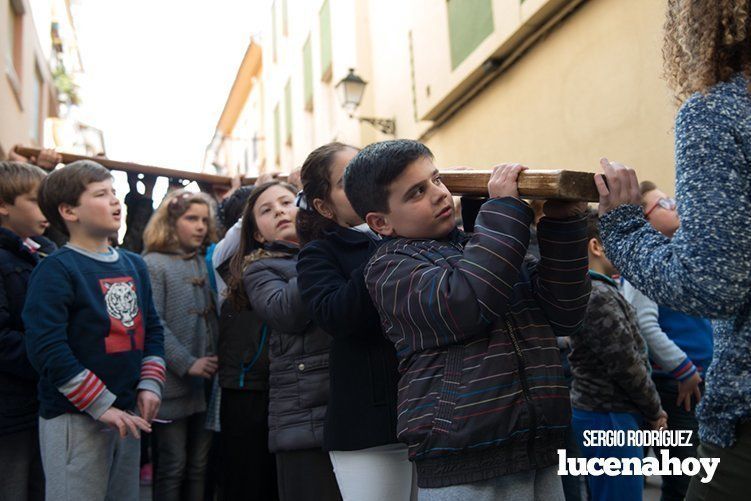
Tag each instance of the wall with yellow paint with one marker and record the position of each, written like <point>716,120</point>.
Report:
<point>591,88</point>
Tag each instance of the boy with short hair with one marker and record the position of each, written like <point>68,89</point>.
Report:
<point>611,388</point>
<point>483,405</point>
<point>93,334</point>
<point>21,248</point>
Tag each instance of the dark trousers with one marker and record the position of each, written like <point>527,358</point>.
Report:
<point>306,475</point>
<point>248,469</point>
<point>22,477</point>
<point>674,487</point>
<point>181,451</point>
<point>573,486</point>
<point>730,482</point>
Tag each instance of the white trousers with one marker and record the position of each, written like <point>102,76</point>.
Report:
<point>375,474</point>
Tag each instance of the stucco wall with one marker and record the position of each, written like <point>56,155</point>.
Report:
<point>591,88</point>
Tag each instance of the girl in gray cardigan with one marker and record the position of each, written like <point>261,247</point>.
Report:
<point>264,270</point>
<point>174,240</point>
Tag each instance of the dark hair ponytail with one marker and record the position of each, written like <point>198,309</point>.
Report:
<point>315,174</point>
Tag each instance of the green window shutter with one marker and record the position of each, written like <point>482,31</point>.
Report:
<point>470,22</point>
<point>277,136</point>
<point>307,64</point>
<point>288,111</point>
<point>325,20</point>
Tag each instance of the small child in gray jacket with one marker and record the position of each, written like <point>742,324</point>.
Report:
<point>611,385</point>
<point>174,239</point>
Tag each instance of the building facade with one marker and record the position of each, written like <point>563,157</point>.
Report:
<point>549,83</point>
<point>40,64</point>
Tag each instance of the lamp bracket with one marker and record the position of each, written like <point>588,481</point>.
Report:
<point>385,125</point>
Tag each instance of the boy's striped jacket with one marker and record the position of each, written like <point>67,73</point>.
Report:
<point>481,392</point>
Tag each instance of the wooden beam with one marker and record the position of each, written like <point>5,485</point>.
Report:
<point>200,177</point>
<point>540,184</point>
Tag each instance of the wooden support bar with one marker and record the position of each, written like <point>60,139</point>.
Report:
<point>200,177</point>
<point>540,184</point>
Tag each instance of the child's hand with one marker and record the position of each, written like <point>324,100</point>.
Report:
<point>661,422</point>
<point>204,367</point>
<point>124,422</point>
<point>687,389</point>
<point>503,181</point>
<point>47,159</point>
<point>558,209</point>
<point>148,404</point>
<point>266,177</point>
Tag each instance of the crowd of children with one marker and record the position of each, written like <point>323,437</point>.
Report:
<point>391,335</point>
<point>355,339</point>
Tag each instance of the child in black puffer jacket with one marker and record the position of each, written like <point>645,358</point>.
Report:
<point>298,351</point>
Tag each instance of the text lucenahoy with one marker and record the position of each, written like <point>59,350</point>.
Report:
<point>613,466</point>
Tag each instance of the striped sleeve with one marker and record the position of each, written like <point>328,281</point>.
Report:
<point>153,374</point>
<point>88,393</point>
<point>684,371</point>
<point>561,283</point>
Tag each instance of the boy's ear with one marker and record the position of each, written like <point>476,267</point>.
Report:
<point>595,247</point>
<point>380,223</point>
<point>68,213</point>
<point>4,208</point>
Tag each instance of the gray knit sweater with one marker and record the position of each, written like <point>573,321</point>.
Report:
<point>183,298</point>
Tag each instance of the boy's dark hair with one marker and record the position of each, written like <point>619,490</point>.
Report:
<point>645,187</point>
<point>369,175</point>
<point>18,178</point>
<point>315,175</point>
<point>232,208</point>
<point>593,225</point>
<point>65,186</point>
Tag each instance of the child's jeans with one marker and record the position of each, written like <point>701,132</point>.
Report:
<point>532,485</point>
<point>181,454</point>
<point>86,459</point>
<point>603,487</point>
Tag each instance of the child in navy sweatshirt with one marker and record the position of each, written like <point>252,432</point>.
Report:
<point>95,338</point>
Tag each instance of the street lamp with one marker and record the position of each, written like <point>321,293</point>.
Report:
<point>350,90</point>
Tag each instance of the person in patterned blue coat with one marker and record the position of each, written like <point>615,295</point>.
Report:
<point>705,269</point>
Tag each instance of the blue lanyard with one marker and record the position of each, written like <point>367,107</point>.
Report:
<point>246,368</point>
